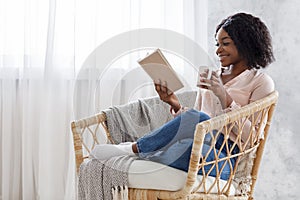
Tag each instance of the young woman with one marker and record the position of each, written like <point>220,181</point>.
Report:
<point>243,45</point>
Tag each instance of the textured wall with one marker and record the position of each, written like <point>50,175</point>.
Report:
<point>280,169</point>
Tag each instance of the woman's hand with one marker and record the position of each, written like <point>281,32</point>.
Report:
<point>216,86</point>
<point>203,81</point>
<point>167,95</point>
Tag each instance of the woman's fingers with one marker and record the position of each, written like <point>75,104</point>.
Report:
<point>157,84</point>
<point>215,74</point>
<point>203,74</point>
<point>204,80</point>
<point>162,88</point>
<point>209,83</point>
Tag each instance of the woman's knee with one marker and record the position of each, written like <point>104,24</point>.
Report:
<point>200,116</point>
<point>204,116</point>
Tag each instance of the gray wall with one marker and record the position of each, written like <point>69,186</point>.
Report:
<point>280,170</point>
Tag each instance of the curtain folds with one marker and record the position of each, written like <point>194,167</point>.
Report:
<point>43,44</point>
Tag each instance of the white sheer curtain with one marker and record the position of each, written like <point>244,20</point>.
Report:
<point>43,44</point>
<point>37,74</point>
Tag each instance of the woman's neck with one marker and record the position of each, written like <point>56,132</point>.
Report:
<point>235,70</point>
<point>229,73</point>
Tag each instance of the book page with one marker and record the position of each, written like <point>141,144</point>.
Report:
<point>158,68</point>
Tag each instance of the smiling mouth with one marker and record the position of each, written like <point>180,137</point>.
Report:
<point>222,57</point>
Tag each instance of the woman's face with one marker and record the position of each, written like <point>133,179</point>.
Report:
<point>226,49</point>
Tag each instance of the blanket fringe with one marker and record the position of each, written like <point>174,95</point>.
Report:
<point>120,192</point>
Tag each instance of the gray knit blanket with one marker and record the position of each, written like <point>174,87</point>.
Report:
<point>104,180</point>
<point>133,120</point>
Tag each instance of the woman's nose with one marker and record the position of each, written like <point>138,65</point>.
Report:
<point>219,49</point>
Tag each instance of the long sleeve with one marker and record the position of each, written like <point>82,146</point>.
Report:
<point>262,86</point>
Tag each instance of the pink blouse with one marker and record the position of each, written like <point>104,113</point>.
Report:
<point>245,88</point>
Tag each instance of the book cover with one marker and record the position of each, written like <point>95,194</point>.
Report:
<point>158,68</point>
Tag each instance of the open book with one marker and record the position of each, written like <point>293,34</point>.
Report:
<point>158,68</point>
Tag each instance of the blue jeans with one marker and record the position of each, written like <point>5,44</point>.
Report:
<point>171,144</point>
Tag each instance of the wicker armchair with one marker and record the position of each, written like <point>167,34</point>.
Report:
<point>259,113</point>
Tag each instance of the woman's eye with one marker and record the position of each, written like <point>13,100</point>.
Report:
<point>223,44</point>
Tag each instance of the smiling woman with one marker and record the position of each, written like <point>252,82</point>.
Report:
<point>246,32</point>
<point>240,86</point>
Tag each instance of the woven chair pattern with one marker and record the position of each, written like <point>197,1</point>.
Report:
<point>250,123</point>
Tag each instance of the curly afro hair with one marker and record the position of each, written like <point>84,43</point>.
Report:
<point>251,37</point>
